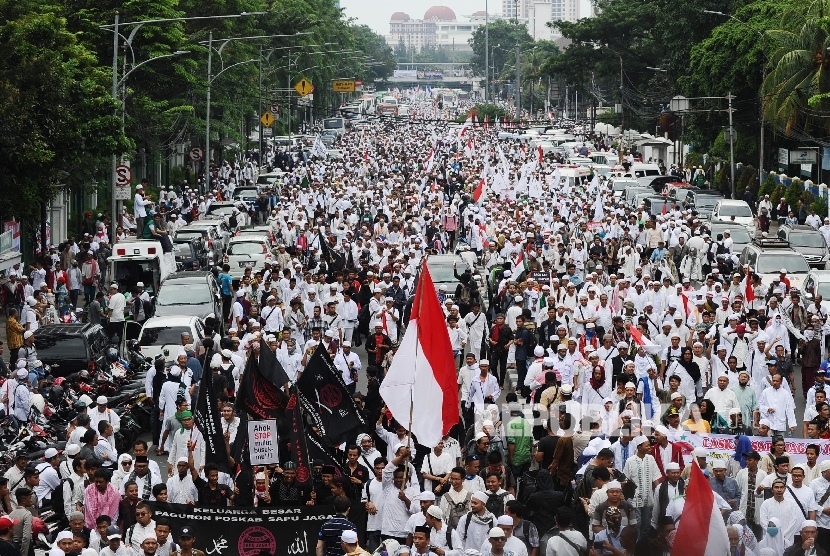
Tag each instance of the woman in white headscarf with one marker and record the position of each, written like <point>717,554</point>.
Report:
<point>773,537</point>
<point>122,470</point>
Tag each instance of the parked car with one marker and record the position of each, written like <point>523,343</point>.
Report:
<point>443,273</point>
<point>734,211</point>
<point>619,185</point>
<point>190,253</point>
<point>816,283</point>
<point>703,201</point>
<point>768,257</point>
<point>165,333</point>
<point>247,250</point>
<point>69,348</point>
<point>214,233</point>
<point>809,242</point>
<point>247,195</point>
<point>656,203</point>
<point>740,236</point>
<point>191,294</point>
<point>678,190</point>
<point>226,208</point>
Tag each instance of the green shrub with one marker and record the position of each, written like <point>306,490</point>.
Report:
<point>793,193</point>
<point>768,187</point>
<point>820,206</point>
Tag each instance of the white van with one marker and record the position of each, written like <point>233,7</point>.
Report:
<point>641,169</point>
<point>337,125</point>
<point>140,260</point>
<point>574,174</point>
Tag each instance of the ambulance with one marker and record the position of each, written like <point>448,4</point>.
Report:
<point>574,173</point>
<point>139,260</point>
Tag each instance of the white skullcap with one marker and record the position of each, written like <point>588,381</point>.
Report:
<point>481,496</point>
<point>672,466</point>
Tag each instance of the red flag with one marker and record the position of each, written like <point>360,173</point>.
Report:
<point>486,122</point>
<point>541,153</point>
<point>703,532</point>
<point>479,191</point>
<point>421,384</point>
<point>665,208</point>
<point>640,340</point>
<point>746,287</point>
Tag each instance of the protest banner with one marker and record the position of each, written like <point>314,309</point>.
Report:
<point>722,446</point>
<point>263,442</point>
<point>248,531</point>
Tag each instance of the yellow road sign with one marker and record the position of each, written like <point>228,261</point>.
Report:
<point>267,119</point>
<point>304,87</point>
<point>343,86</point>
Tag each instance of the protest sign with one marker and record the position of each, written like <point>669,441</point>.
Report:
<point>263,442</point>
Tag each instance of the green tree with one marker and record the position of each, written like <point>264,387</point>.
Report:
<point>57,118</point>
<point>800,65</point>
<point>506,34</point>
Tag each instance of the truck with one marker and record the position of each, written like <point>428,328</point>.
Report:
<point>140,260</point>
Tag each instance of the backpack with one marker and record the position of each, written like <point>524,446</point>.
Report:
<point>57,498</point>
<point>490,524</point>
<point>449,536</point>
<point>458,510</point>
<point>495,503</point>
<point>233,222</point>
<point>465,297</point>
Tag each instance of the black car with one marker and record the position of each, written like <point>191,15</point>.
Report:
<point>190,254</point>
<point>69,348</point>
<point>189,294</point>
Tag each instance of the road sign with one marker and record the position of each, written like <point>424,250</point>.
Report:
<point>196,154</point>
<point>358,85</point>
<point>304,87</point>
<point>267,119</point>
<point>123,177</point>
<point>343,86</point>
<point>267,132</point>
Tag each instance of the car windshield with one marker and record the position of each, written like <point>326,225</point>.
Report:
<point>806,239</point>
<point>55,348</point>
<point>772,263</point>
<point>172,293</point>
<point>706,201</point>
<point>739,211</point>
<point>188,234</point>
<point>738,234</point>
<point>221,210</point>
<point>182,250</point>
<point>163,335</point>
<point>246,248</point>
<point>443,272</point>
<point>824,289</point>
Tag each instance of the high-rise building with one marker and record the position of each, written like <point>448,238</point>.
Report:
<point>540,12</point>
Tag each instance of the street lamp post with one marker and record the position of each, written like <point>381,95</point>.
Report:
<point>211,78</point>
<point>136,25</point>
<point>486,50</point>
<point>763,78</point>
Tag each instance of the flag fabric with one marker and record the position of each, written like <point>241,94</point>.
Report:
<point>519,267</point>
<point>541,153</point>
<point>746,287</point>
<point>319,149</point>
<point>260,390</point>
<point>599,211</point>
<point>701,531</point>
<point>478,194</point>
<point>325,398</point>
<point>298,442</point>
<point>486,122</point>
<point>421,381</point>
<point>209,423</point>
<point>317,450</point>
<point>430,159</point>
<point>642,341</point>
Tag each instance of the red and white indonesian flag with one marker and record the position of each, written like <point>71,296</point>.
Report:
<point>641,341</point>
<point>700,531</point>
<point>422,377</point>
<point>430,159</point>
<point>467,123</point>
<point>478,193</point>
<point>746,287</point>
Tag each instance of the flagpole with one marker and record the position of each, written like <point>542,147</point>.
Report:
<point>419,294</point>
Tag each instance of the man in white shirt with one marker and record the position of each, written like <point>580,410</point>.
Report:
<point>347,309</point>
<point>139,210</point>
<point>396,507</point>
<point>776,404</point>
<point>722,396</point>
<point>348,363</point>
<point>436,467</point>
<point>102,413</point>
<point>49,479</point>
<point>115,311</point>
<point>785,509</point>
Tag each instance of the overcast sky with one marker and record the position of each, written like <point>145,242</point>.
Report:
<point>376,14</point>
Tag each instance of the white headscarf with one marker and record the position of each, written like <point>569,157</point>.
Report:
<point>778,543</point>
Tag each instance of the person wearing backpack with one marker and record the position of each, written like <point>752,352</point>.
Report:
<point>455,503</point>
<point>475,526</point>
<point>496,496</point>
<point>567,541</point>
<point>372,499</point>
<point>523,529</point>
<point>442,536</point>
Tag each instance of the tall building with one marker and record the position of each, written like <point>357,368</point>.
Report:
<point>540,12</point>
<point>438,28</point>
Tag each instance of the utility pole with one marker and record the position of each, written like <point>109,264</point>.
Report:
<point>518,81</point>
<point>729,97</point>
<point>486,50</point>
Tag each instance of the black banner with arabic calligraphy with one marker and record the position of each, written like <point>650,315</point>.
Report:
<point>248,531</point>
<point>325,397</point>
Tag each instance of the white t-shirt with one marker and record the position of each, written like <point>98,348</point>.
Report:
<point>441,465</point>
<point>117,304</point>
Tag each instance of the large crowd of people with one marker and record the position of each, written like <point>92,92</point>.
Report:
<point>591,337</point>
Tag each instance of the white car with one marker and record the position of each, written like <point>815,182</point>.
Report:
<point>737,211</point>
<point>247,250</point>
<point>818,283</point>
<point>165,333</point>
